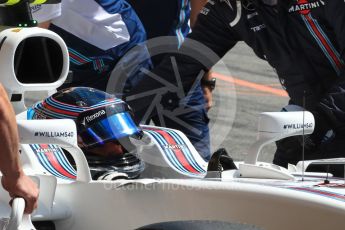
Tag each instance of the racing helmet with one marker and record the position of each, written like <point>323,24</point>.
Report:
<point>101,118</point>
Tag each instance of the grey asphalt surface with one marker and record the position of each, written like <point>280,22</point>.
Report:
<point>242,64</point>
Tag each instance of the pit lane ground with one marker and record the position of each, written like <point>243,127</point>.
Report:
<point>253,87</point>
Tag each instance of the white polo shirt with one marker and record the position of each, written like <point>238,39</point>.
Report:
<point>47,12</point>
<point>87,20</point>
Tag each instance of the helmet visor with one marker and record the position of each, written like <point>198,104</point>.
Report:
<point>114,127</point>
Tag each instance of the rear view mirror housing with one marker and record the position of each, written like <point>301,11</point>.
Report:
<point>31,59</point>
<point>274,126</point>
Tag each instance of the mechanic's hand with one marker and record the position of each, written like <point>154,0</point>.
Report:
<point>208,97</point>
<point>21,185</point>
<point>322,130</point>
<point>322,127</point>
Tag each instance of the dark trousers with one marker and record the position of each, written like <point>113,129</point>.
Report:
<point>289,150</point>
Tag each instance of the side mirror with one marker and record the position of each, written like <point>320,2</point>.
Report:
<point>275,126</point>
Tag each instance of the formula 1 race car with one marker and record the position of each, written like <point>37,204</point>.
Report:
<point>177,185</point>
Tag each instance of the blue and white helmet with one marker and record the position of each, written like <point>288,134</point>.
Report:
<point>100,117</point>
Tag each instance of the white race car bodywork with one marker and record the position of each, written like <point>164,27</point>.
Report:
<point>175,185</point>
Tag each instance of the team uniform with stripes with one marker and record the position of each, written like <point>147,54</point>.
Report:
<point>98,33</point>
<point>171,18</point>
<point>301,39</point>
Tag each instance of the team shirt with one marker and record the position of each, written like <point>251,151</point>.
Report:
<point>164,17</point>
<point>86,19</point>
<point>47,12</point>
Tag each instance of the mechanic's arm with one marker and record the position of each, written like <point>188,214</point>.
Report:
<point>211,30</point>
<point>333,104</point>
<point>13,180</point>
<point>196,6</point>
<point>44,25</point>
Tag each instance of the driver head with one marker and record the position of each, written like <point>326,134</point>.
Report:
<point>104,125</point>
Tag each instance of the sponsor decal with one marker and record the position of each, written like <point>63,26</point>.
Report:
<point>35,8</point>
<point>52,158</point>
<point>258,28</point>
<point>54,134</point>
<point>17,30</point>
<point>249,16</point>
<point>305,6</point>
<point>204,11</point>
<point>95,115</point>
<point>46,150</point>
<point>298,126</point>
<point>174,146</point>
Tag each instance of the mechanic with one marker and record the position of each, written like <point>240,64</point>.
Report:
<point>302,40</point>
<point>97,34</point>
<point>86,59</point>
<point>172,18</point>
<point>13,178</point>
<point>104,125</point>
